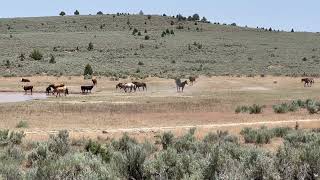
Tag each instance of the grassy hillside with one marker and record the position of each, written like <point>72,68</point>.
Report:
<point>198,48</point>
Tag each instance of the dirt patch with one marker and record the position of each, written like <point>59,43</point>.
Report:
<point>257,88</point>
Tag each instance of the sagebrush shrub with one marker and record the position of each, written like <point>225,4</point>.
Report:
<point>90,46</point>
<point>36,55</point>
<point>88,70</point>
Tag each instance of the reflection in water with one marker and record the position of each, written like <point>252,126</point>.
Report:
<point>19,97</point>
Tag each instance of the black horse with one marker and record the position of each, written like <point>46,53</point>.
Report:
<point>86,89</point>
<point>180,85</point>
<point>48,90</point>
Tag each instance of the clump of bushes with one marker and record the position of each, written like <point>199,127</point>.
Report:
<point>52,59</point>
<point>261,136</point>
<point>90,46</point>
<point>22,124</point>
<point>254,109</point>
<point>135,30</point>
<point>36,55</point>
<point>88,70</point>
<point>147,37</point>
<point>217,156</point>
<point>312,106</point>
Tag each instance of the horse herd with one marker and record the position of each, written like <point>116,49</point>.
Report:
<point>58,89</point>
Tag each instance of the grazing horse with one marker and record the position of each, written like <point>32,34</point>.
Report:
<point>140,84</point>
<point>27,88</point>
<point>86,89</point>
<point>25,80</point>
<point>95,82</point>
<point>130,86</point>
<point>180,85</point>
<point>192,79</point>
<point>307,82</point>
<point>60,90</point>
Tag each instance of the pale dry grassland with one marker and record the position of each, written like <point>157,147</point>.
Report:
<point>209,101</point>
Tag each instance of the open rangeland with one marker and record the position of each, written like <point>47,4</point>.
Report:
<point>209,105</point>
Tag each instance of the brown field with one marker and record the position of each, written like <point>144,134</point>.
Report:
<point>208,105</point>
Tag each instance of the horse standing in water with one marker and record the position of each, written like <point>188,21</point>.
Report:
<point>180,85</point>
<point>28,88</point>
<point>60,90</point>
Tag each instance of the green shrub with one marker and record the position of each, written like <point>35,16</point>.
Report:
<point>260,136</point>
<point>22,124</point>
<point>242,109</point>
<point>140,63</point>
<point>88,70</point>
<point>76,12</point>
<point>96,149</point>
<point>36,55</point>
<point>100,13</point>
<point>62,13</point>
<point>255,109</point>
<point>22,57</point>
<point>90,46</point>
<point>281,131</point>
<point>163,34</point>
<point>52,59</point>
<point>134,31</point>
<point>147,37</point>
<point>166,140</point>
<point>59,144</point>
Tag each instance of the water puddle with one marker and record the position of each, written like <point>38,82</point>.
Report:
<point>20,97</point>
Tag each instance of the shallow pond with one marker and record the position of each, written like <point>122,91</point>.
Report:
<point>19,97</point>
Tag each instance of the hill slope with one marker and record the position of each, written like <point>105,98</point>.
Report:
<point>198,48</point>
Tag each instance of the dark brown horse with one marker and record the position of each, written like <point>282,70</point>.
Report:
<point>140,84</point>
<point>307,82</point>
<point>120,86</point>
<point>25,80</point>
<point>180,85</point>
<point>28,88</point>
<point>192,79</point>
<point>95,82</point>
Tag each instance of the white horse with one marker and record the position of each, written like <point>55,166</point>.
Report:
<point>130,86</point>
